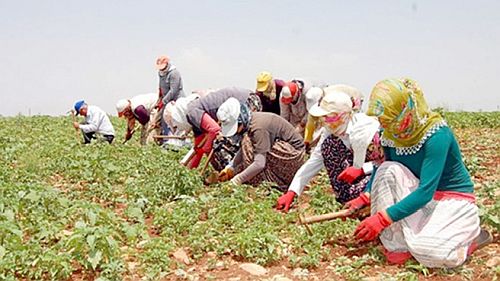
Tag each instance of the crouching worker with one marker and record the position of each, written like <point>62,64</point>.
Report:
<point>422,200</point>
<point>348,148</point>
<point>201,115</point>
<point>271,150</point>
<point>139,108</point>
<point>96,122</point>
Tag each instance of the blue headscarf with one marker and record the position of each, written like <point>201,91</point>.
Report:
<point>244,117</point>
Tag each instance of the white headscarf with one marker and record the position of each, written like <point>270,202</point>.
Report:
<point>312,96</point>
<point>175,113</point>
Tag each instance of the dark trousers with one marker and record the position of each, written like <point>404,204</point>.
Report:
<point>165,129</point>
<point>87,137</point>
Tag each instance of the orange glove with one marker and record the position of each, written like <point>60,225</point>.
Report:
<point>226,174</point>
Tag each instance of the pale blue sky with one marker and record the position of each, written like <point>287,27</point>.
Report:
<point>53,53</point>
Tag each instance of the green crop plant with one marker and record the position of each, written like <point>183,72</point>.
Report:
<point>118,212</point>
<point>155,261</point>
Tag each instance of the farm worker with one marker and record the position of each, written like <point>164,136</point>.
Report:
<point>170,89</point>
<point>342,149</point>
<point>201,114</point>
<point>313,124</point>
<point>269,91</point>
<point>139,108</point>
<point>293,103</point>
<point>271,150</point>
<point>422,200</point>
<point>96,122</point>
<point>175,114</point>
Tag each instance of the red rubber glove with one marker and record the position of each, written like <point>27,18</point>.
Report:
<point>198,143</point>
<point>195,162</point>
<point>350,174</point>
<point>370,228</point>
<point>358,202</point>
<point>285,201</point>
<point>159,103</point>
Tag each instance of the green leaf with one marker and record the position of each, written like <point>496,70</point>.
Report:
<point>494,219</point>
<point>9,215</point>
<point>111,242</point>
<point>92,217</point>
<point>91,242</point>
<point>80,224</point>
<point>74,242</point>
<point>2,252</point>
<point>17,232</point>
<point>63,201</point>
<point>33,196</point>
<point>95,259</point>
<point>135,213</point>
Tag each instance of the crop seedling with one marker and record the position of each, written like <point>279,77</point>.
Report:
<point>68,209</point>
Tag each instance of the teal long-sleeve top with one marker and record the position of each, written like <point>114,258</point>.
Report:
<point>438,165</point>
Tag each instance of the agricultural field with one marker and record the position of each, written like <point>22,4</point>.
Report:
<point>126,212</point>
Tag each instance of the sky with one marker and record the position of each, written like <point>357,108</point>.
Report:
<point>53,53</point>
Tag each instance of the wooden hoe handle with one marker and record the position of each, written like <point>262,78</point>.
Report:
<point>170,137</point>
<point>325,217</point>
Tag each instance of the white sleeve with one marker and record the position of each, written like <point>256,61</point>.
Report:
<point>92,124</point>
<point>367,167</point>
<point>309,169</point>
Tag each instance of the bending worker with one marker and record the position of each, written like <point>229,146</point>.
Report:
<point>139,108</point>
<point>271,150</point>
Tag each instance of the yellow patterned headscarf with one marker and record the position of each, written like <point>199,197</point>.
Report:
<point>402,111</point>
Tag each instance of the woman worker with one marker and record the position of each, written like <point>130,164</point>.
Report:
<point>346,137</point>
<point>271,149</point>
<point>422,200</point>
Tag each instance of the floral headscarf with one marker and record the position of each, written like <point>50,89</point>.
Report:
<point>403,112</point>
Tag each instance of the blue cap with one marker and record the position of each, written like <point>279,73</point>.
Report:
<point>79,105</point>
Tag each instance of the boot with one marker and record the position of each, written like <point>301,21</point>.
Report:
<point>484,238</point>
